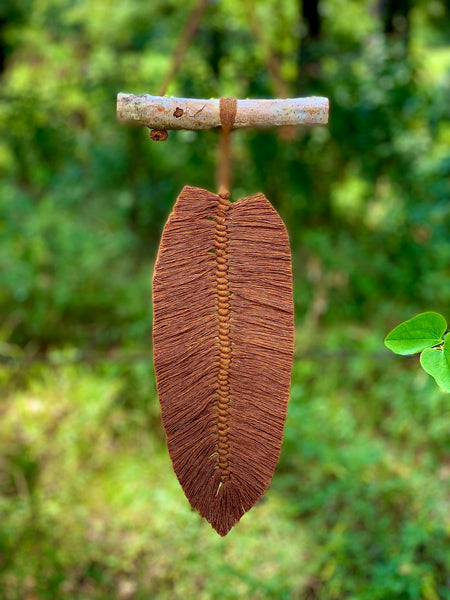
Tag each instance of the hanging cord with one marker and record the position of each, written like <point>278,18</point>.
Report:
<point>184,42</point>
<point>228,109</point>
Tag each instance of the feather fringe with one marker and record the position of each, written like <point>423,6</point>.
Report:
<point>223,337</point>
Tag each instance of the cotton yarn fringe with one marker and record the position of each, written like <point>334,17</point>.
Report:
<point>223,336</point>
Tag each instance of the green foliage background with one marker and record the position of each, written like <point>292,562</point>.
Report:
<point>89,506</point>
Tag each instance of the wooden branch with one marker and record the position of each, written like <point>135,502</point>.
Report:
<point>160,112</point>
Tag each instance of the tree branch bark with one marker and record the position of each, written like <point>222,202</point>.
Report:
<point>159,112</point>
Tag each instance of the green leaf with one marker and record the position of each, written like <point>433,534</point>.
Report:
<point>420,332</point>
<point>436,362</point>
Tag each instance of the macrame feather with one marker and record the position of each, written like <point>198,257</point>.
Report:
<point>223,337</point>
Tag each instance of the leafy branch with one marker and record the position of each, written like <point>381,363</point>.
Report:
<point>425,333</point>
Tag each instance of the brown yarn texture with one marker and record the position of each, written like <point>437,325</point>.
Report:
<point>223,336</point>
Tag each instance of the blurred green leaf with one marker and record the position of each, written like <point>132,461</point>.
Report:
<point>436,363</point>
<point>412,336</point>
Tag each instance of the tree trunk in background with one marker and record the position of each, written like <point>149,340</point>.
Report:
<point>308,56</point>
<point>2,45</point>
<point>309,83</point>
<point>395,15</point>
<point>311,17</point>
<point>12,13</point>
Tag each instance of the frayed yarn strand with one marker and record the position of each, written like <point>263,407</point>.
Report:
<point>223,347</point>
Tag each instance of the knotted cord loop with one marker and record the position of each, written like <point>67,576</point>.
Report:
<point>227,111</point>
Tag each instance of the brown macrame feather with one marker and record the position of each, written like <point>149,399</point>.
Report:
<point>223,337</point>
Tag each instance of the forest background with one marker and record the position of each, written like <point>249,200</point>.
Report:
<point>89,505</point>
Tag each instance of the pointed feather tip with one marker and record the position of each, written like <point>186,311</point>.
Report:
<point>221,530</point>
<point>223,527</point>
<point>233,500</point>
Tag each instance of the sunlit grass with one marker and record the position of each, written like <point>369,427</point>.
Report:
<point>92,509</point>
<point>92,501</point>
